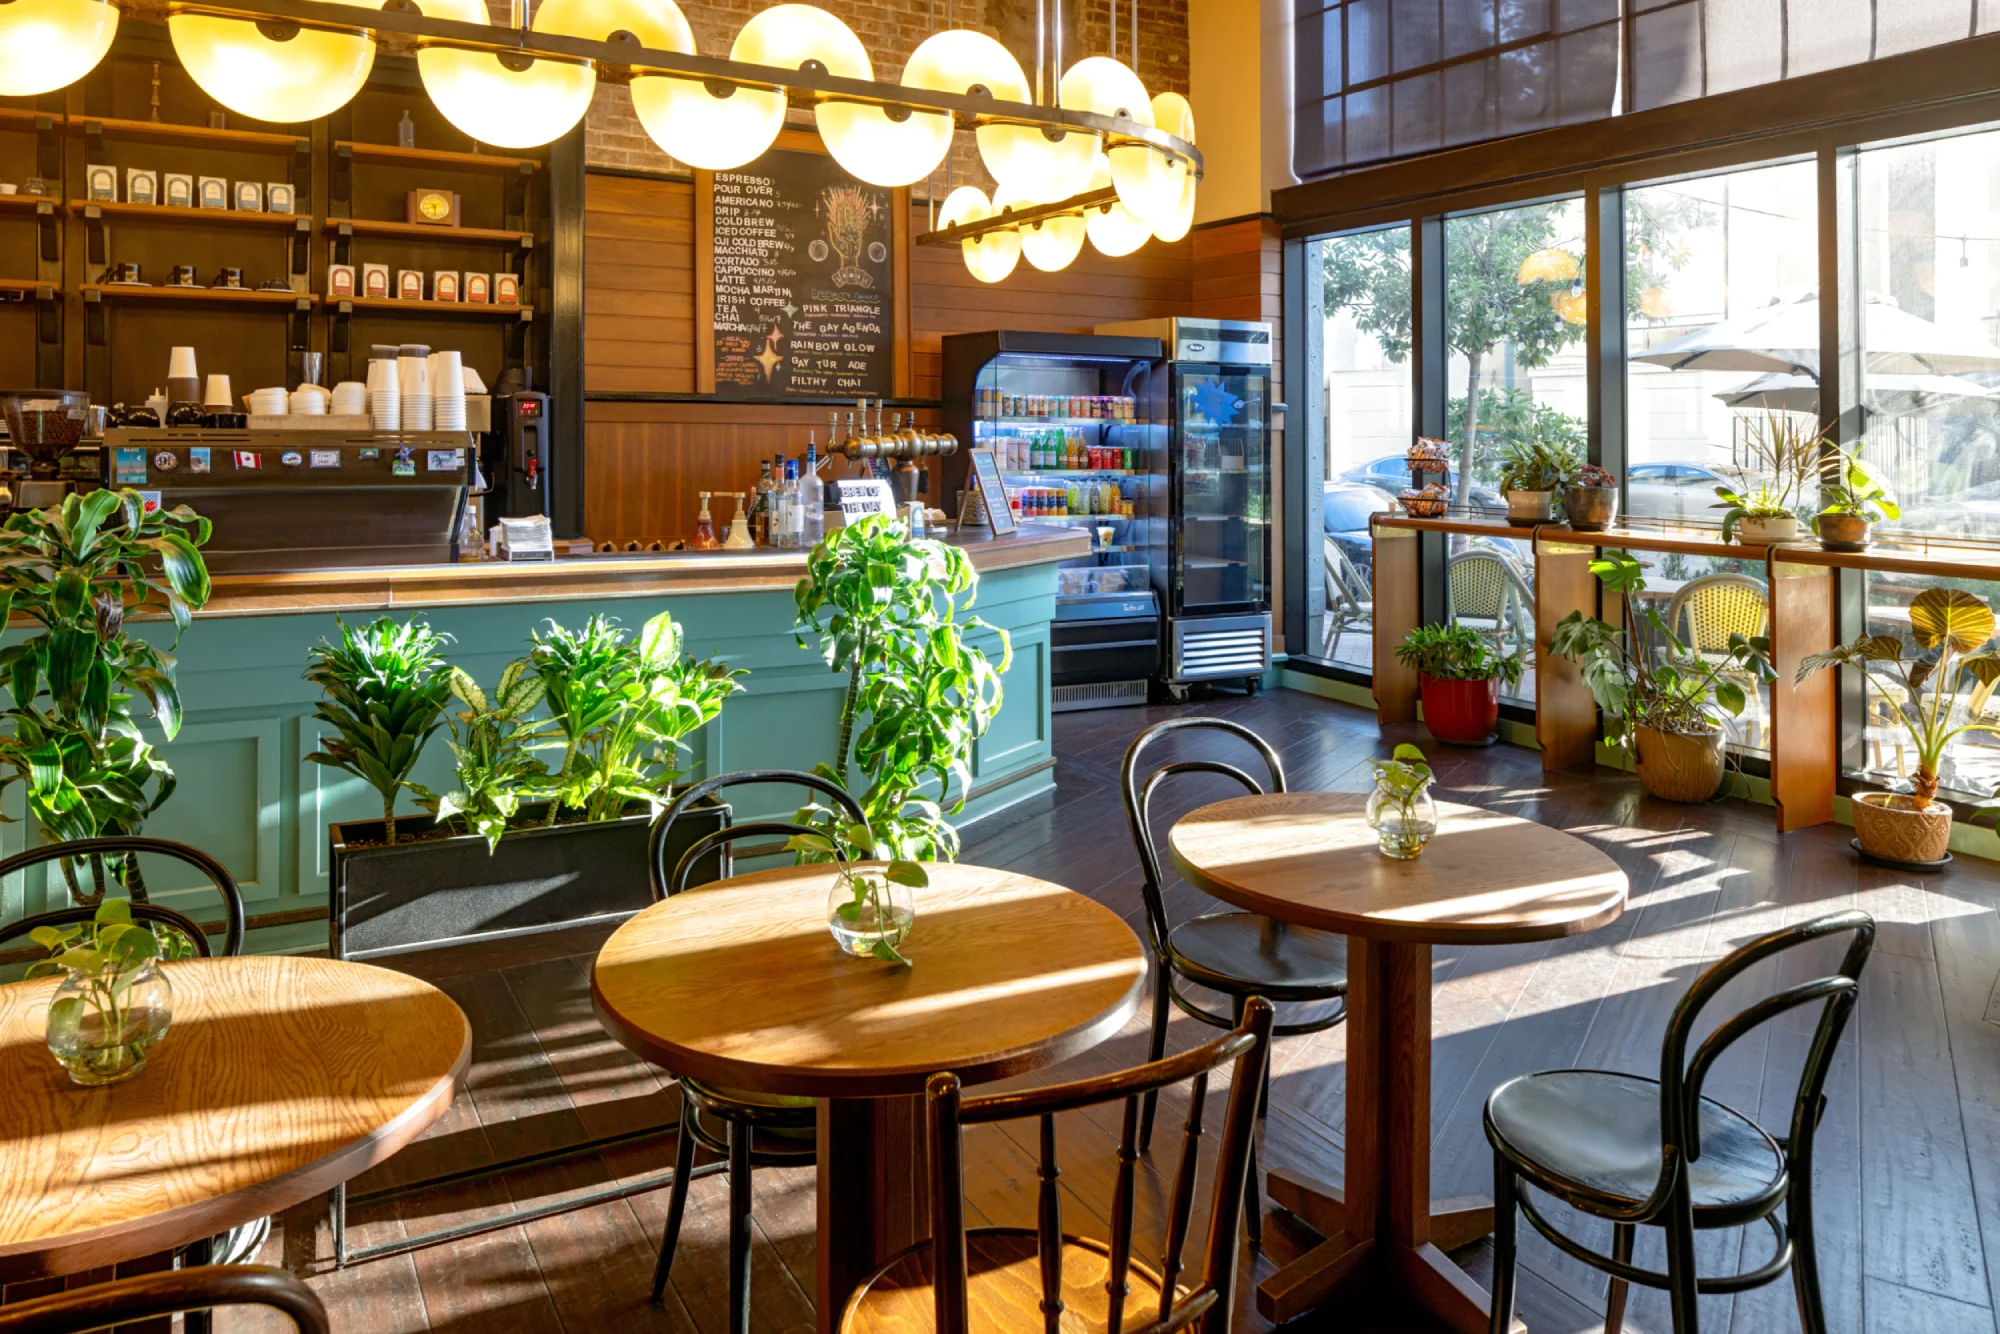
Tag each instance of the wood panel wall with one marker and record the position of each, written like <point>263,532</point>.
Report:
<point>645,462</point>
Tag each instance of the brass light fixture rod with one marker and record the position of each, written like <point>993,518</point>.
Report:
<point>1012,216</point>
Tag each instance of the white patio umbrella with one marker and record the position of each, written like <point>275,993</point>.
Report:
<point>1784,338</point>
<point>1891,395</point>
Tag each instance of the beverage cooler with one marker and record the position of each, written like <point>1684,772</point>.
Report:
<point>1210,546</point>
<point>1066,418</point>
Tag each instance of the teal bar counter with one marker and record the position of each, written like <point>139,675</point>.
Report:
<point>247,795</point>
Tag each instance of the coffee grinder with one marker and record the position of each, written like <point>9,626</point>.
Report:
<point>45,425</point>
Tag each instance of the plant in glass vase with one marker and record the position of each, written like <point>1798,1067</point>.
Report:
<point>1669,709</point>
<point>79,570</point>
<point>887,610</point>
<point>385,686</point>
<point>113,1004</point>
<point>1400,810</point>
<point>870,908</point>
<point>1784,458</point>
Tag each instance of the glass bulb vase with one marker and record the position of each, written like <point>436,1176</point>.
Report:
<point>102,1025</point>
<point>1403,822</point>
<point>870,915</point>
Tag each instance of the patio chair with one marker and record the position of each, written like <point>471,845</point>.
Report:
<point>1485,586</point>
<point>1715,607</point>
<point>1350,601</point>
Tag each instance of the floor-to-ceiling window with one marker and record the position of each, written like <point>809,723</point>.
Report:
<point>1366,428</point>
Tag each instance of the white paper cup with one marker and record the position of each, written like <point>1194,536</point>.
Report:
<point>180,364</point>
<point>218,395</point>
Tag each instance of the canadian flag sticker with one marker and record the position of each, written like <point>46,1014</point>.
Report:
<point>249,458</point>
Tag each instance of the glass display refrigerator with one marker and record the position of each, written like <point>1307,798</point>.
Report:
<point>1067,420</point>
<point>1209,541</point>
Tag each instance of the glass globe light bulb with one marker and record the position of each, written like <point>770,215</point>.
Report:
<point>50,44</point>
<point>1112,228</point>
<point>992,256</point>
<point>873,146</point>
<point>483,94</point>
<point>1052,244</point>
<point>1176,224</point>
<point>271,70</point>
<point>1148,181</point>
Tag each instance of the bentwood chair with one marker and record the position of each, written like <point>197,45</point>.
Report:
<point>1239,954</point>
<point>94,852</point>
<point>1045,1277</point>
<point>1634,1150</point>
<point>1485,586</point>
<point>748,1129</point>
<point>163,1295</point>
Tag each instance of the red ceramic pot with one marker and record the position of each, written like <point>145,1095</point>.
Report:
<point>1464,713</point>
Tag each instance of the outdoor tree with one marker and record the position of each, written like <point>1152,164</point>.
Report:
<point>1514,276</point>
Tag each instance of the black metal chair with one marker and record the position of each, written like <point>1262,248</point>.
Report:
<point>749,1129</point>
<point>95,850</point>
<point>1634,1150</point>
<point>161,1295</point>
<point>1084,1283</point>
<point>1239,954</point>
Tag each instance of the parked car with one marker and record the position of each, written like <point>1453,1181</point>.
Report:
<point>1392,475</point>
<point>1973,512</point>
<point>1344,510</point>
<point>1670,490</point>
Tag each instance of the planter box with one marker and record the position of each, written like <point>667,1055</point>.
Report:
<point>447,891</point>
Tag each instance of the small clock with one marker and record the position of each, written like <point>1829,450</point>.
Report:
<point>435,208</point>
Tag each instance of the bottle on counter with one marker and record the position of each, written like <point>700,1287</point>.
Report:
<point>704,529</point>
<point>760,505</point>
<point>787,521</point>
<point>812,498</point>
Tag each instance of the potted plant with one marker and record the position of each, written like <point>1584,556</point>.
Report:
<point>113,1005</point>
<point>1851,503</point>
<point>1762,507</point>
<point>1459,675</point>
<point>1951,629</point>
<point>79,571</point>
<point>1591,499</point>
<point>518,843</point>
<point>887,611</point>
<point>1532,470</point>
<point>1400,810</point>
<point>1669,711</point>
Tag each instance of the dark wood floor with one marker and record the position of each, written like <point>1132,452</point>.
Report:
<point>1909,1176</point>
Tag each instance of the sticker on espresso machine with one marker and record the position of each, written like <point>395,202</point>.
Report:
<point>249,458</point>
<point>149,501</point>
<point>166,460</point>
<point>369,452</point>
<point>403,465</point>
<point>291,458</point>
<point>198,459</point>
<point>326,458</point>
<point>129,465</point>
<point>442,460</point>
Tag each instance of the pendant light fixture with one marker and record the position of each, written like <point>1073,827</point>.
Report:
<point>989,257</point>
<point>1111,227</point>
<point>1050,244</point>
<point>505,99</point>
<point>1177,223</point>
<point>274,69</point>
<point>1148,181</point>
<point>50,44</point>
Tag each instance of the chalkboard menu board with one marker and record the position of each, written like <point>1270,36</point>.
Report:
<point>804,281</point>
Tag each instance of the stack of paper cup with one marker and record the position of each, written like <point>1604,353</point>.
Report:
<point>183,386</point>
<point>350,398</point>
<point>413,375</point>
<point>385,399</point>
<point>309,400</point>
<point>447,372</point>
<point>267,402</point>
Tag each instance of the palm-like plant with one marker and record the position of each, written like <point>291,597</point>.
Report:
<point>1951,628</point>
<point>78,570</point>
<point>385,686</point>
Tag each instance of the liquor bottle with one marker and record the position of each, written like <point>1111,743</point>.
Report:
<point>760,507</point>
<point>812,498</point>
<point>789,516</point>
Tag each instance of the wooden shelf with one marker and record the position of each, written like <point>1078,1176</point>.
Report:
<point>434,157</point>
<point>28,285</point>
<point>166,132</point>
<point>1688,541</point>
<point>25,203</point>
<point>419,231</point>
<point>223,217</point>
<point>1469,523</point>
<point>227,296</point>
<point>465,309</point>
<point>1939,558</point>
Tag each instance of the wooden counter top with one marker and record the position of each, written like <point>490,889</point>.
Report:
<point>584,577</point>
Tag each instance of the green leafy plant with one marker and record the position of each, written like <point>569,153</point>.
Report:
<point>1402,779</point>
<point>1783,459</point>
<point>493,742</point>
<point>78,570</point>
<point>1537,464</point>
<point>1456,653</point>
<point>385,686</point>
<point>1855,490</point>
<point>106,958</point>
<point>1951,629</point>
<point>622,709</point>
<point>1683,692</point>
<point>868,907</point>
<point>887,611</point>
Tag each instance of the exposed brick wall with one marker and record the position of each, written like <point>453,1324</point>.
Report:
<point>890,30</point>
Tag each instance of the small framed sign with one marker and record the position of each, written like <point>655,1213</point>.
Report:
<point>993,492</point>
<point>863,496</point>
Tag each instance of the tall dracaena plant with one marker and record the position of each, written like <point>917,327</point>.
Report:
<point>888,611</point>
<point>1951,628</point>
<point>386,688</point>
<point>78,570</point>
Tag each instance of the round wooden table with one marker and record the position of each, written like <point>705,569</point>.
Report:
<point>739,983</point>
<point>279,1078</point>
<point>1310,858</point>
